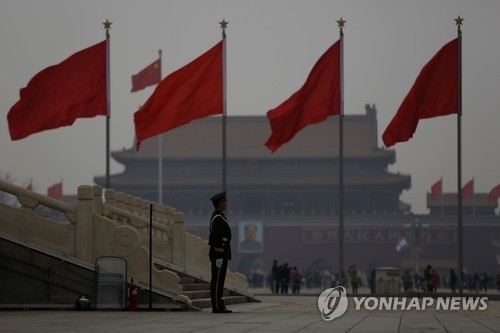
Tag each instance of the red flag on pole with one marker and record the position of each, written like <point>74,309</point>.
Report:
<point>437,189</point>
<point>59,94</point>
<point>468,189</point>
<point>55,191</point>
<point>192,92</point>
<point>494,194</point>
<point>318,98</point>
<point>434,93</point>
<point>30,185</point>
<point>149,76</point>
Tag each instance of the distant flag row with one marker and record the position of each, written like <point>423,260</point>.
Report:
<point>467,190</point>
<point>76,88</point>
<point>54,191</point>
<point>433,94</point>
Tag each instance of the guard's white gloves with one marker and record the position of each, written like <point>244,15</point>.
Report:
<point>218,262</point>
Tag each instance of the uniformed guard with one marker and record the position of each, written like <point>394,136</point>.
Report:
<point>220,251</point>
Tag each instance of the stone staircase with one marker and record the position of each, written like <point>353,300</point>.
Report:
<point>110,224</point>
<point>199,293</point>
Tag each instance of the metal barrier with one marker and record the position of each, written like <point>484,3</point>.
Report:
<point>111,283</point>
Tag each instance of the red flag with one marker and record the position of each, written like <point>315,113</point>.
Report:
<point>192,92</point>
<point>494,194</point>
<point>59,94</point>
<point>149,76</point>
<point>468,189</point>
<point>318,98</point>
<point>55,191</point>
<point>30,185</point>
<point>437,189</point>
<point>434,93</point>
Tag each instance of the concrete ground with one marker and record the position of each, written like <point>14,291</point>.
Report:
<point>273,314</point>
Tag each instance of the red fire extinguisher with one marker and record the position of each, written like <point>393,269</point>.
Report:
<point>132,296</point>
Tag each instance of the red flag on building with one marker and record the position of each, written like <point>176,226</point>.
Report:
<point>30,185</point>
<point>318,98</point>
<point>494,194</point>
<point>468,189</point>
<point>434,93</point>
<point>192,92</point>
<point>437,189</point>
<point>55,191</point>
<point>149,76</point>
<point>59,94</point>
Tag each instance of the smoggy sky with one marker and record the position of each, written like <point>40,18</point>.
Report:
<point>271,47</point>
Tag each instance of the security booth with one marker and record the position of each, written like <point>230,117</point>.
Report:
<point>111,276</point>
<point>387,281</point>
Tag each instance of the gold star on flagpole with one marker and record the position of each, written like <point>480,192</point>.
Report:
<point>341,24</point>
<point>107,26</point>
<point>459,21</point>
<point>223,26</point>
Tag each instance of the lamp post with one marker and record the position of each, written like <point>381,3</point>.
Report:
<point>418,239</point>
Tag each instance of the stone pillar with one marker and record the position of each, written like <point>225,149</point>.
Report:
<point>110,197</point>
<point>158,213</point>
<point>97,192</point>
<point>137,207</point>
<point>145,208</point>
<point>120,200</point>
<point>129,203</point>
<point>178,240</point>
<point>169,214</point>
<point>84,222</point>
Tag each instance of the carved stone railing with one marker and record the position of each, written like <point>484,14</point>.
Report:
<point>30,200</point>
<point>116,226</point>
<point>33,222</point>
<point>171,243</point>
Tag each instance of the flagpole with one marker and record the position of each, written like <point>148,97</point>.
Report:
<point>223,25</point>
<point>160,156</point>
<point>459,21</point>
<point>442,203</point>
<point>107,26</point>
<point>473,199</point>
<point>341,23</point>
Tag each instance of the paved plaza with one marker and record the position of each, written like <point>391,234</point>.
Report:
<point>273,314</point>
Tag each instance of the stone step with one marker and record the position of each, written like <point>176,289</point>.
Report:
<point>195,286</point>
<point>198,291</point>
<point>197,294</point>
<point>206,303</point>
<point>187,280</point>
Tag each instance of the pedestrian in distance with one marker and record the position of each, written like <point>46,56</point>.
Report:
<point>453,281</point>
<point>296,280</point>
<point>428,279</point>
<point>434,280</point>
<point>274,278</point>
<point>353,278</point>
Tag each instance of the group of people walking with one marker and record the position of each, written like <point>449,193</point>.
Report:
<point>284,277</point>
<point>430,281</point>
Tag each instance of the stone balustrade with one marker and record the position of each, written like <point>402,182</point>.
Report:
<point>116,226</point>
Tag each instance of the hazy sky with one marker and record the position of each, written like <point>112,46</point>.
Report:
<point>271,47</point>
